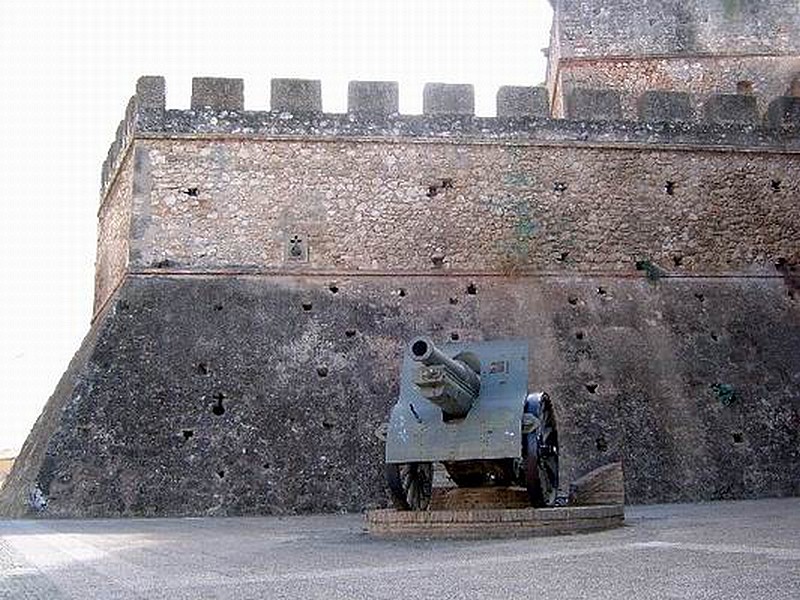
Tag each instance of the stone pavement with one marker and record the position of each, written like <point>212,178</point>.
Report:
<point>729,550</point>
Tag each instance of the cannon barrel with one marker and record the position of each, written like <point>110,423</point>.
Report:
<point>449,383</point>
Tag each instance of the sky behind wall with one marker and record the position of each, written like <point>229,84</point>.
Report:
<point>67,70</point>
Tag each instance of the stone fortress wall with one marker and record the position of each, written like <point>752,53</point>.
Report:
<point>218,187</point>
<point>259,272</point>
<point>699,46</point>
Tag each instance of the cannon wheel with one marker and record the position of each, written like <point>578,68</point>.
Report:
<point>541,453</point>
<point>410,484</point>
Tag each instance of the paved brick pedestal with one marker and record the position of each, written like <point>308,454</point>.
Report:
<point>495,522</point>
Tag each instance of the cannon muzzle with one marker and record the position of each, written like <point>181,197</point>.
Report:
<point>448,382</point>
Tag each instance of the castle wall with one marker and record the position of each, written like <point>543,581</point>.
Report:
<point>700,76</point>
<point>215,395</point>
<point>113,234</point>
<point>651,266</point>
<point>399,206</point>
<point>667,27</point>
<point>701,47</point>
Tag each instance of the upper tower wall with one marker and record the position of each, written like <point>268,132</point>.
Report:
<point>701,47</point>
<point>592,28</point>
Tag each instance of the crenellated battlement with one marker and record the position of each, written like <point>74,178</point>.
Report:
<point>594,116</point>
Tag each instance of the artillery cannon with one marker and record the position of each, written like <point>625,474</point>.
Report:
<point>467,406</point>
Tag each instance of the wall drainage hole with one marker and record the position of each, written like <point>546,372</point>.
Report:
<point>192,192</point>
<point>266,466</point>
<point>669,188</point>
<point>437,261</point>
<point>677,260</point>
<point>350,333</point>
<point>714,337</point>
<point>218,408</point>
<point>333,288</point>
<point>563,256</point>
<point>775,184</point>
<point>601,291</point>
<point>202,368</point>
<point>472,289</point>
<point>322,371</point>
<point>218,307</point>
<point>591,387</point>
<point>738,437</point>
<point>572,300</point>
<point>327,425</point>
<point>579,335</point>
<point>700,297</point>
<point>221,473</point>
<point>453,301</point>
<point>601,443</point>
<point>454,336</point>
<point>187,434</point>
<point>401,292</point>
<point>307,306</point>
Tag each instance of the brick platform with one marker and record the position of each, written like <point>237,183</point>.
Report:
<point>508,522</point>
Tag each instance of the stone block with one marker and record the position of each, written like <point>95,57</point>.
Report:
<point>605,485</point>
<point>664,106</point>
<point>585,104</point>
<point>517,101</point>
<point>448,99</point>
<point>151,92</point>
<point>373,97</point>
<point>150,103</point>
<point>218,93</point>
<point>296,95</point>
<point>739,109</point>
<point>784,112</point>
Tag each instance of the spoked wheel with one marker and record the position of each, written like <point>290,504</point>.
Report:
<point>411,485</point>
<point>541,452</point>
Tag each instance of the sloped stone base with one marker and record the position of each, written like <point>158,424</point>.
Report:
<point>229,395</point>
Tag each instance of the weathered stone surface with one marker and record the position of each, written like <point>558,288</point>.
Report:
<point>732,108</point>
<point>665,106</point>
<point>604,485</point>
<point>627,28</point>
<point>296,95</point>
<point>113,235</point>
<point>448,99</point>
<point>528,208</point>
<point>151,92</point>
<point>516,101</point>
<point>217,93</point>
<point>373,98</point>
<point>699,46</point>
<point>262,395</point>
<point>784,112</point>
<point>593,105</point>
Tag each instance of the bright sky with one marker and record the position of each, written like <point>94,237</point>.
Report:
<point>67,70</point>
